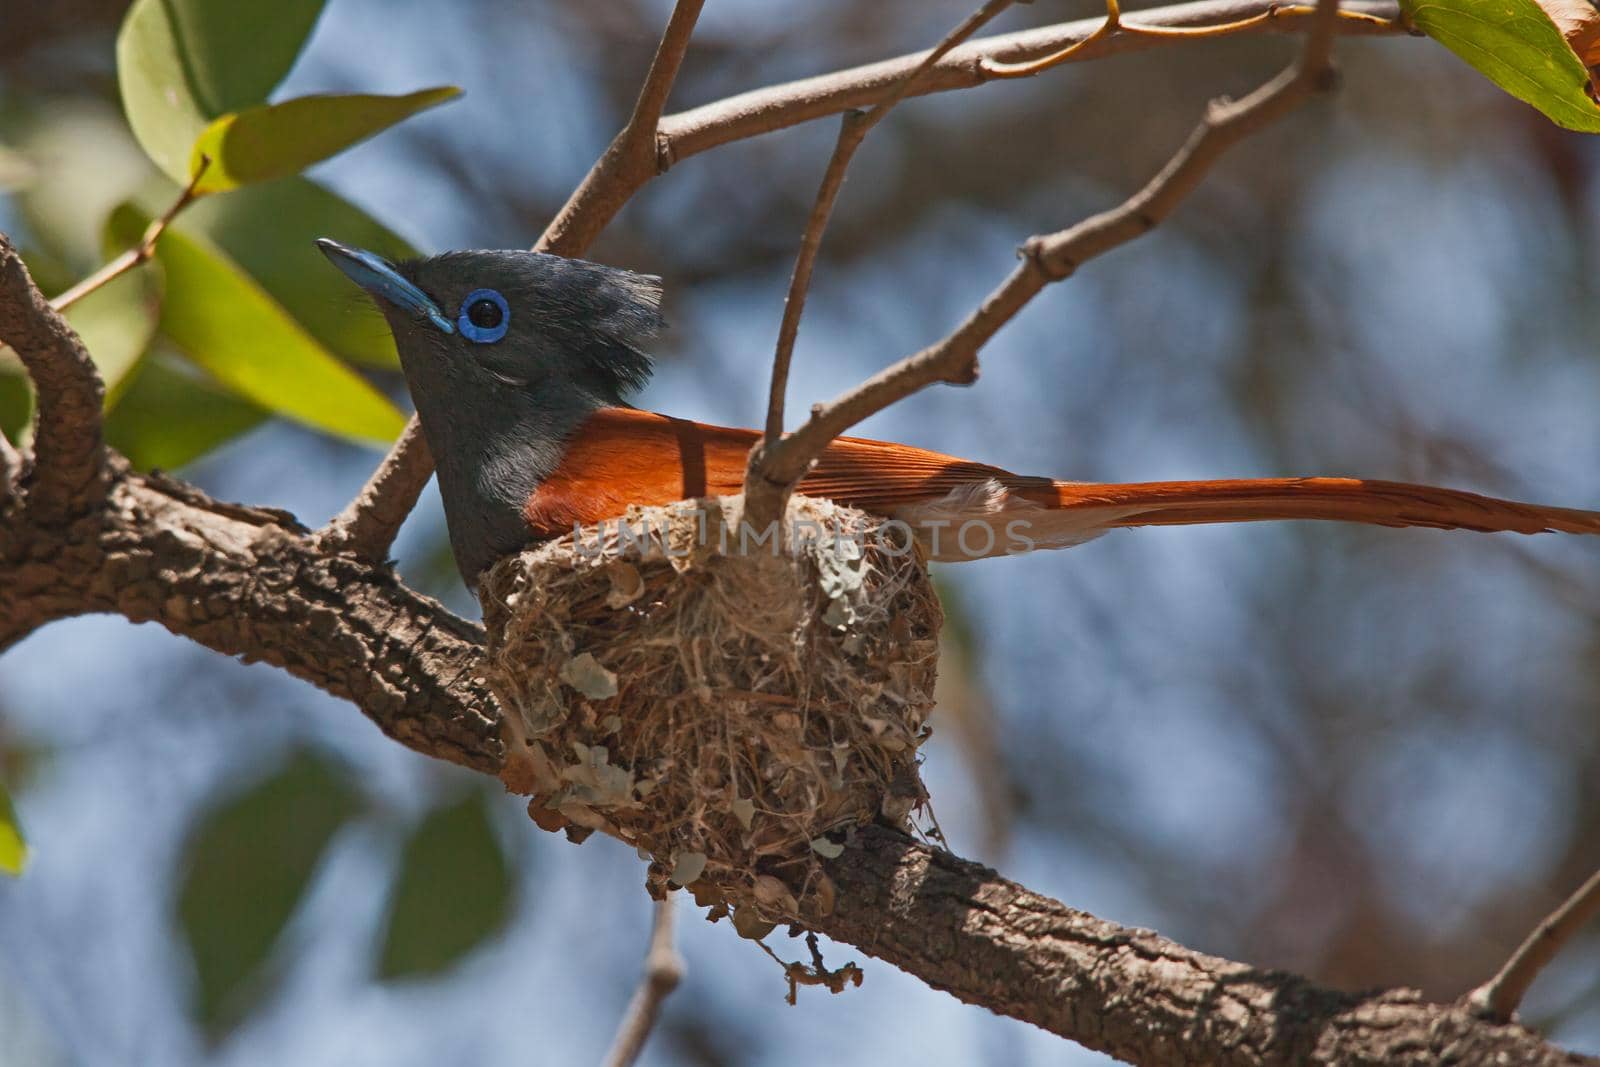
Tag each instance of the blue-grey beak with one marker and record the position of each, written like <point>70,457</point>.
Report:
<point>375,274</point>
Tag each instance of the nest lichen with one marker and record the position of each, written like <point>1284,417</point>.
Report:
<point>725,704</point>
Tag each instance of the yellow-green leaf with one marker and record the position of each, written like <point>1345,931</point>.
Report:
<point>1516,45</point>
<point>277,140</point>
<point>181,63</point>
<point>225,323</point>
<point>13,849</point>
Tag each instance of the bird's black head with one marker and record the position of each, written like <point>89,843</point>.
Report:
<point>506,353</point>
<point>484,322</point>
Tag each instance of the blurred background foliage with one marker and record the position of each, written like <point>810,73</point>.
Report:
<point>1369,756</point>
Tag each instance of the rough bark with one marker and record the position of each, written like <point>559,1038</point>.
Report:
<point>249,582</point>
<point>1131,993</point>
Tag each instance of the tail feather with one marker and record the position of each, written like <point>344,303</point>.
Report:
<point>1332,499</point>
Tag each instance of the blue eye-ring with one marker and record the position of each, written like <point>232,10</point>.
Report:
<point>485,316</point>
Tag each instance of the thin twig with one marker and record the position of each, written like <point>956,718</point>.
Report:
<point>852,132</point>
<point>1113,23</point>
<point>663,970</point>
<point>777,107</point>
<point>139,253</point>
<point>68,453</point>
<point>631,160</point>
<point>369,523</point>
<point>1046,259</point>
<point>1497,999</point>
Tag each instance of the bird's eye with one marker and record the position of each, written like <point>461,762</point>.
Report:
<point>485,316</point>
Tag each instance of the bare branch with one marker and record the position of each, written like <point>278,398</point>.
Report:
<point>777,107</point>
<point>852,131</point>
<point>631,160</point>
<point>68,452</point>
<point>1497,999</point>
<point>1045,259</point>
<point>663,970</point>
<point>369,523</point>
<point>139,253</point>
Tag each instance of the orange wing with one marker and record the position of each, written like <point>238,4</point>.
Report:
<point>622,457</point>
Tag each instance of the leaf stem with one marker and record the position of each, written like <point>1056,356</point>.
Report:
<point>139,253</point>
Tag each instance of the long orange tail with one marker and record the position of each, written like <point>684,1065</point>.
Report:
<point>1334,499</point>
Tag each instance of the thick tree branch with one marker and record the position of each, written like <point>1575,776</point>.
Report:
<point>1045,259</point>
<point>1497,999</point>
<point>247,582</point>
<point>368,525</point>
<point>67,449</point>
<point>663,970</point>
<point>1131,993</point>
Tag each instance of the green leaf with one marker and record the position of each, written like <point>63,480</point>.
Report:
<point>181,63</point>
<point>238,53</point>
<point>1516,45</point>
<point>227,324</point>
<point>160,103</point>
<point>454,891</point>
<point>13,849</point>
<point>170,415</point>
<point>270,230</point>
<point>276,140</point>
<point>246,867</point>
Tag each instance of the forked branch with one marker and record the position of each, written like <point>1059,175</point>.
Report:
<point>1045,259</point>
<point>852,131</point>
<point>777,107</point>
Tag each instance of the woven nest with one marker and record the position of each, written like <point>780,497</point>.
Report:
<point>729,707</point>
